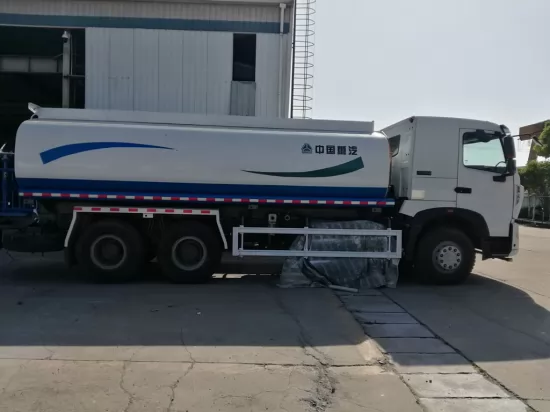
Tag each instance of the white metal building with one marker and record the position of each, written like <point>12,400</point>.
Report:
<point>212,57</point>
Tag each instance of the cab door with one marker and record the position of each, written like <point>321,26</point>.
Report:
<point>483,186</point>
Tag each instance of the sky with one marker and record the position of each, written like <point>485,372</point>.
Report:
<point>386,60</point>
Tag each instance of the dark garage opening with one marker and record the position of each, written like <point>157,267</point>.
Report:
<point>31,71</point>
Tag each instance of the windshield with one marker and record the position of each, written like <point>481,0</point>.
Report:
<point>483,153</point>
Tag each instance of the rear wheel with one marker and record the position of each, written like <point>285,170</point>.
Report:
<point>445,256</point>
<point>189,253</point>
<point>111,251</point>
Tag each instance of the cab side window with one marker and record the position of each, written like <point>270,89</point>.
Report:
<point>483,154</point>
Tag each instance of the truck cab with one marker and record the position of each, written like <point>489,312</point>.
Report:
<point>457,176</point>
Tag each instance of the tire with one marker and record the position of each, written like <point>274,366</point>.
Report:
<point>444,256</point>
<point>124,259</point>
<point>189,252</point>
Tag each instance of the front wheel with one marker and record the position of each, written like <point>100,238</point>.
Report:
<point>444,256</point>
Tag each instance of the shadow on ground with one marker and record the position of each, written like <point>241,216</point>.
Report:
<point>43,303</point>
<point>489,320</point>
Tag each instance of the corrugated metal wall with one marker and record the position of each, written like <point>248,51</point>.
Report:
<point>174,71</point>
<point>168,55</point>
<point>219,68</point>
<point>243,98</point>
<point>267,74</point>
<point>153,70</point>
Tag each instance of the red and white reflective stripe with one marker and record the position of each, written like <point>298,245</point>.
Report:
<point>144,210</point>
<point>388,202</point>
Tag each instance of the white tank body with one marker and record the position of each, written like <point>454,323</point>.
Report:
<point>82,156</point>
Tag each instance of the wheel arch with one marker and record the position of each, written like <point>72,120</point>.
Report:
<point>471,223</point>
<point>90,215</point>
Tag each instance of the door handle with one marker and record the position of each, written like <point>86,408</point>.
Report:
<point>463,189</point>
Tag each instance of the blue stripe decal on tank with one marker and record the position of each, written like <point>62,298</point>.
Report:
<point>197,189</point>
<point>56,153</point>
<point>338,170</point>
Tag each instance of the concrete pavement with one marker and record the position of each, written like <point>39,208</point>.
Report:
<point>242,344</point>
<point>441,379</point>
<point>499,319</point>
<point>233,345</point>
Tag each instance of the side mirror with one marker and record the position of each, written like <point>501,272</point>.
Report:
<point>510,154</point>
<point>511,166</point>
<point>509,147</point>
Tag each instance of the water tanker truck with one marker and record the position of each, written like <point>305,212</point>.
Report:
<point>115,189</point>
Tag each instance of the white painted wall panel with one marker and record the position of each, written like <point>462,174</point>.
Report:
<point>170,71</point>
<point>146,70</point>
<point>121,69</point>
<point>159,70</point>
<point>243,98</point>
<point>194,75</point>
<point>97,68</point>
<point>220,70</point>
<point>267,74</point>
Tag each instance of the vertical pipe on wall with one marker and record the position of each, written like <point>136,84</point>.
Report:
<point>282,6</point>
<point>292,58</point>
<point>66,69</point>
<point>289,81</point>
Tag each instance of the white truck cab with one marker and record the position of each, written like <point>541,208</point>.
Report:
<point>458,174</point>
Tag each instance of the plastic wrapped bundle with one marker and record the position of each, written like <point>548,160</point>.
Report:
<point>359,273</point>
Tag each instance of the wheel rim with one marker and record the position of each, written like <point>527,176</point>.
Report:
<point>108,252</point>
<point>189,253</point>
<point>447,257</point>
